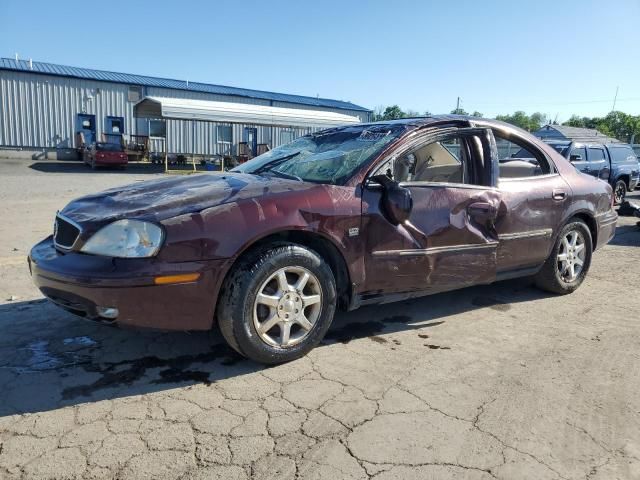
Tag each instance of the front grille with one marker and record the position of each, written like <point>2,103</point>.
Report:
<point>65,233</point>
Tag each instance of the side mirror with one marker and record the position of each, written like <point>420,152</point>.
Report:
<point>575,157</point>
<point>396,201</point>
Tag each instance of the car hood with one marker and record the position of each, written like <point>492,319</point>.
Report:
<point>157,200</point>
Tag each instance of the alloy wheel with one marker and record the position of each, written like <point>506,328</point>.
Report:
<point>571,256</point>
<point>287,306</point>
<point>619,192</point>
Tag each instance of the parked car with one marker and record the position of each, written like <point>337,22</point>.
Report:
<point>615,163</point>
<point>351,216</point>
<point>106,155</point>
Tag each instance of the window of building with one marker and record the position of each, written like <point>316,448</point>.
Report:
<point>114,125</point>
<point>286,136</point>
<point>157,128</point>
<point>135,93</point>
<point>224,133</point>
<point>596,154</point>
<point>517,159</point>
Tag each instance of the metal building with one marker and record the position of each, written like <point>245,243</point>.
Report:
<point>43,107</point>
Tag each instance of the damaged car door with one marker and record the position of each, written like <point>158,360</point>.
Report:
<point>448,239</point>
<point>534,197</point>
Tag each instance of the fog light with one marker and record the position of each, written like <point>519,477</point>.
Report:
<point>108,312</point>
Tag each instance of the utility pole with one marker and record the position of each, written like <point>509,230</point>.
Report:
<point>613,109</point>
<point>458,105</point>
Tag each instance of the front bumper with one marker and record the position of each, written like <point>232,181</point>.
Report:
<point>81,283</point>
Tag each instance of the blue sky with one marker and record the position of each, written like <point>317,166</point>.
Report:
<point>557,57</point>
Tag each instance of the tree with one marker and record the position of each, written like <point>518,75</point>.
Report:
<point>619,125</point>
<point>524,121</point>
<point>476,114</point>
<point>459,111</point>
<point>537,121</point>
<point>581,122</point>
<point>394,112</point>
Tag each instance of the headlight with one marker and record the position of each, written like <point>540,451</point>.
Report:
<point>125,239</point>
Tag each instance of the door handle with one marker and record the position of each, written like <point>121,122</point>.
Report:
<point>559,195</point>
<point>482,210</point>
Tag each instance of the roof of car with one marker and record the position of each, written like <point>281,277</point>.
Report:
<point>445,118</point>
<point>427,120</point>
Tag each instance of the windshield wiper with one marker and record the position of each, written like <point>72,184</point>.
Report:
<point>273,163</point>
<point>278,173</point>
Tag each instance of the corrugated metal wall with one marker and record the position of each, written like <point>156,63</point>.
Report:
<point>39,111</point>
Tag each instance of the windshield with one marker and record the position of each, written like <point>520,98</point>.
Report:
<point>330,156</point>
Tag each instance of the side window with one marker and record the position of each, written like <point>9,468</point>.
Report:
<point>578,154</point>
<point>516,159</point>
<point>455,159</point>
<point>596,154</point>
<point>622,154</point>
<point>436,162</point>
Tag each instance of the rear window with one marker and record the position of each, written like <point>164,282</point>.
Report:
<point>108,147</point>
<point>622,154</point>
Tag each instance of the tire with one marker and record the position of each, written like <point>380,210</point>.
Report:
<point>551,276</point>
<point>243,318</point>
<point>619,192</point>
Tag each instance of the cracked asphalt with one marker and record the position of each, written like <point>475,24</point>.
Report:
<point>499,381</point>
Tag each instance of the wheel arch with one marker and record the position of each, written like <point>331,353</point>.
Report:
<point>590,220</point>
<point>317,242</point>
<point>625,177</point>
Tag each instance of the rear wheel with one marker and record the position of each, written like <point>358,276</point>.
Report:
<point>277,304</point>
<point>619,192</point>
<point>569,262</point>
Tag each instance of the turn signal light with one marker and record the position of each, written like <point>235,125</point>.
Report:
<point>182,278</point>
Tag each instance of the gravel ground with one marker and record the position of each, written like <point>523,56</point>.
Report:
<point>499,381</point>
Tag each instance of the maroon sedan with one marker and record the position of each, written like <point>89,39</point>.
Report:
<point>106,155</point>
<point>345,217</point>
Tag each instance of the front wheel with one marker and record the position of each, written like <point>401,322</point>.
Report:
<point>569,262</point>
<point>619,192</point>
<point>277,304</point>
